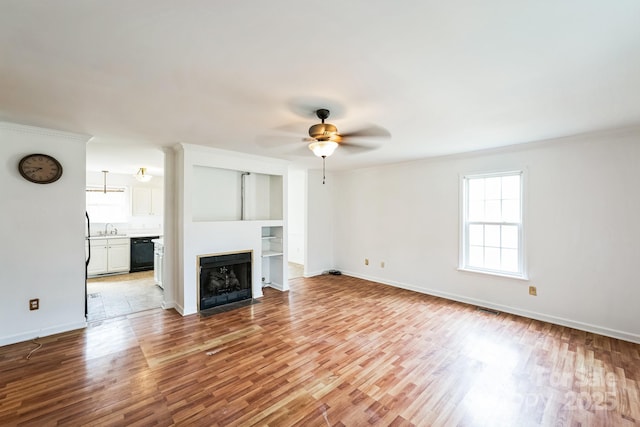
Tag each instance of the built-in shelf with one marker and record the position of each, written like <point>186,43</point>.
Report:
<point>271,245</point>
<point>272,256</point>
<point>266,254</point>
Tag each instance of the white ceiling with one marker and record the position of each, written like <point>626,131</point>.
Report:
<point>441,76</point>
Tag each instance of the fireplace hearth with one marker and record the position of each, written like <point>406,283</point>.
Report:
<point>224,279</point>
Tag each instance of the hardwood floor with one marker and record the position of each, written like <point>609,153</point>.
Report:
<point>332,351</point>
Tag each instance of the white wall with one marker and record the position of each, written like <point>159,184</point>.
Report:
<point>216,195</point>
<point>297,214</point>
<point>319,244</point>
<point>170,233</point>
<point>222,199</point>
<point>42,232</point>
<point>198,237</point>
<point>581,224</point>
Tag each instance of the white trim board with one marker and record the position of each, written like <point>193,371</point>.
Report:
<point>41,333</point>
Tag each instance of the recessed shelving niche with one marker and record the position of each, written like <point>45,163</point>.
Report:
<point>272,256</point>
<point>218,195</point>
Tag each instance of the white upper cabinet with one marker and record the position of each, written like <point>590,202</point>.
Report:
<point>146,201</point>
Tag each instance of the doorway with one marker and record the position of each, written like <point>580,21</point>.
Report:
<point>125,204</point>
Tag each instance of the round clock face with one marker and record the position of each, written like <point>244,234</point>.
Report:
<point>40,168</point>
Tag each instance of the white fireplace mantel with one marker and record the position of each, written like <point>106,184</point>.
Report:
<point>196,236</point>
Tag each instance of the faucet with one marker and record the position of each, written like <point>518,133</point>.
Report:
<point>106,228</point>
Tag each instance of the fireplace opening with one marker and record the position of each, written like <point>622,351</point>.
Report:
<point>224,279</point>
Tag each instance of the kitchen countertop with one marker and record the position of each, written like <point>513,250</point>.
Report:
<point>111,236</point>
<point>123,236</point>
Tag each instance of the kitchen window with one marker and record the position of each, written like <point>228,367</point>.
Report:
<point>107,204</point>
<point>492,224</point>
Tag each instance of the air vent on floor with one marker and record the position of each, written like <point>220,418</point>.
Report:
<point>488,310</point>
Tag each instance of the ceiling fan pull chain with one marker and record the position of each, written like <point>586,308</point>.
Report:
<point>323,177</point>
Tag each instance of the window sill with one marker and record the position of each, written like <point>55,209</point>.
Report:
<point>491,273</point>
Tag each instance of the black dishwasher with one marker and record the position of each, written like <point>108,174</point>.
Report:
<point>142,253</point>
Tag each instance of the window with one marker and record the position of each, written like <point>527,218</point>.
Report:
<point>492,224</point>
<point>110,206</point>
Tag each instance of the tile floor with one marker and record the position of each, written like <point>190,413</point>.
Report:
<point>295,270</point>
<point>122,294</point>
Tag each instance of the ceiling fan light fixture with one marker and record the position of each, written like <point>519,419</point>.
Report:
<point>323,148</point>
<point>323,131</point>
<point>142,175</point>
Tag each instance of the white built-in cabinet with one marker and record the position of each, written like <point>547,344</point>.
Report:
<point>109,256</point>
<point>272,256</point>
<point>146,201</point>
<point>158,261</point>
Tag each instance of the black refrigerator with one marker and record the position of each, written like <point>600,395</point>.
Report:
<point>86,264</point>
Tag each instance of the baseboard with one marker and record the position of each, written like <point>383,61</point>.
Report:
<point>26,336</point>
<point>277,286</point>
<point>180,309</point>
<point>168,305</point>
<point>575,324</point>
<point>314,273</point>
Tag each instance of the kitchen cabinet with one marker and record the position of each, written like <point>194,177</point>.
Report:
<point>118,255</point>
<point>158,261</point>
<point>98,263</point>
<point>109,256</point>
<point>146,201</point>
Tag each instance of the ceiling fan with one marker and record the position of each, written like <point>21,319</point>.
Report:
<point>324,137</point>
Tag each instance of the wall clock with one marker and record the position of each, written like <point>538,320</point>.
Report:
<point>40,168</point>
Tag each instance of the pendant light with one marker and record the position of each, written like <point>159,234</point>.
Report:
<point>142,175</point>
<point>104,189</point>
<point>104,173</point>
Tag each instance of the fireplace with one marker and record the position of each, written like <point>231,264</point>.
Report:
<point>224,279</point>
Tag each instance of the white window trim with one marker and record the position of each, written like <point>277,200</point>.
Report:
<point>125,208</point>
<point>463,249</point>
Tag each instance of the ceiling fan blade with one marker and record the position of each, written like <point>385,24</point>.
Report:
<point>271,141</point>
<point>372,131</point>
<point>297,128</point>
<point>358,147</point>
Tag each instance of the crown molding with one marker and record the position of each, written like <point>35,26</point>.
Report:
<point>33,130</point>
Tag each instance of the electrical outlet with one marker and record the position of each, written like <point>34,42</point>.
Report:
<point>381,264</point>
<point>366,261</point>
<point>533,291</point>
<point>34,304</point>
